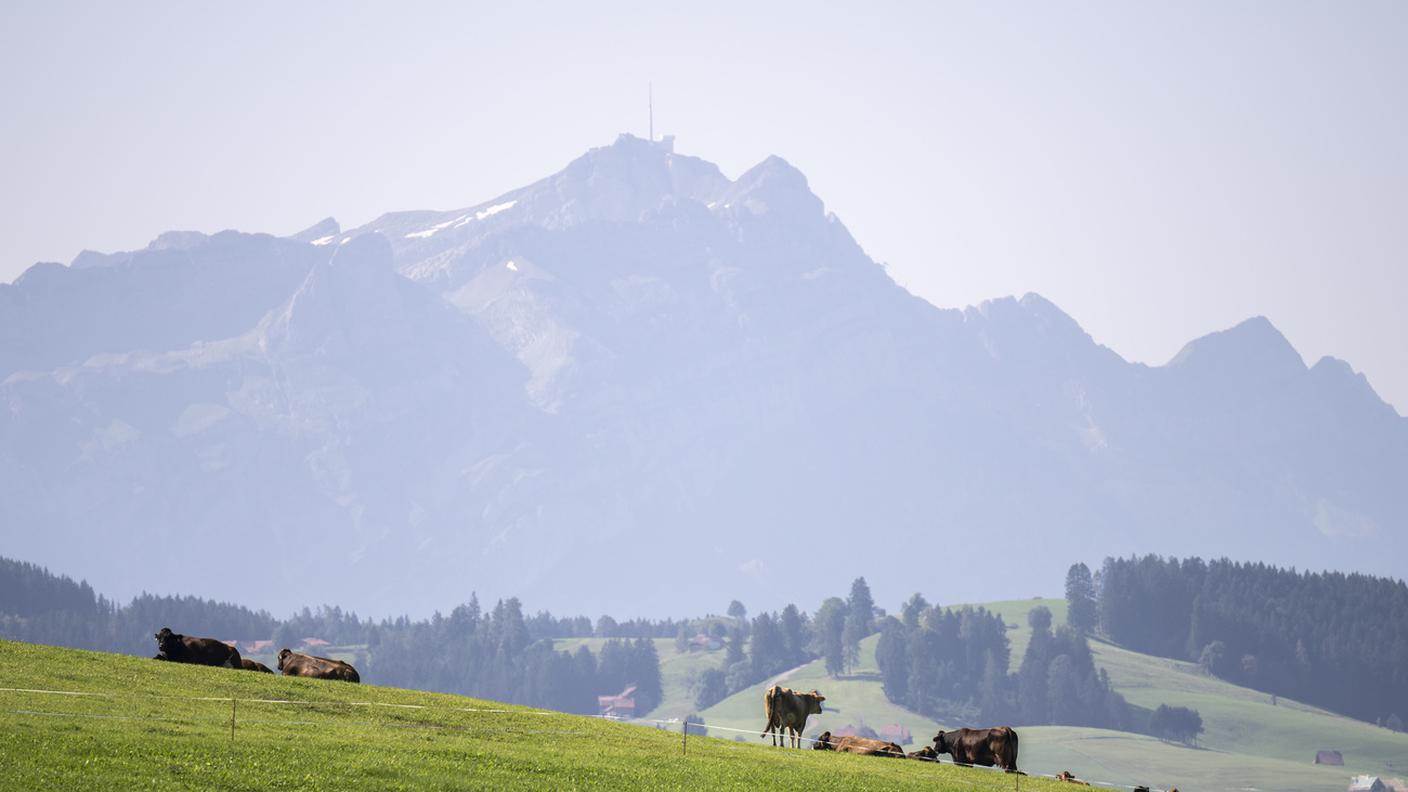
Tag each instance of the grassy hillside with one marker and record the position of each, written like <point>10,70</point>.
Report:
<point>856,699</point>
<point>146,727</point>
<point>1236,719</point>
<point>1248,743</point>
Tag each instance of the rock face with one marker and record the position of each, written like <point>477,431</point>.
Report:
<point>639,387</point>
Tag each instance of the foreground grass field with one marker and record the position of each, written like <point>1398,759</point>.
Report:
<point>151,725</point>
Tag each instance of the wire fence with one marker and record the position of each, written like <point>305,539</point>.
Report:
<point>686,727</point>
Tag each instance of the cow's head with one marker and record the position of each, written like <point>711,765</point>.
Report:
<point>941,743</point>
<point>166,639</point>
<point>284,655</point>
<point>814,700</point>
<point>823,742</point>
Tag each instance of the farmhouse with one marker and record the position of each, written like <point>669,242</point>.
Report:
<point>1367,783</point>
<point>704,643</point>
<point>621,705</point>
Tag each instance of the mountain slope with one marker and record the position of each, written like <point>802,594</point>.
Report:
<point>638,366</point>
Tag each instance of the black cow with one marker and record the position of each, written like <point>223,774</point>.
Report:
<point>986,747</point>
<point>180,648</point>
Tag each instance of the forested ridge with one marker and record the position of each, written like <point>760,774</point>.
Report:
<point>1335,640</point>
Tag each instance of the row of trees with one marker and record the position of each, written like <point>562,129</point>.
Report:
<point>945,663</point>
<point>1330,639</point>
<point>1059,683</point>
<point>774,642</point>
<point>953,664</point>
<point>495,655</point>
<point>501,654</point>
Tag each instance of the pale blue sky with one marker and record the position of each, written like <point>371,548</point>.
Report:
<point>1159,171</point>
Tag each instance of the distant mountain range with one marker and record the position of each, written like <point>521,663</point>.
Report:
<point>639,387</point>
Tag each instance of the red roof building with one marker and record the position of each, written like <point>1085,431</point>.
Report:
<point>622,705</point>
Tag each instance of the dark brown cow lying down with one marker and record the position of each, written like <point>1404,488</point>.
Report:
<point>180,648</point>
<point>254,665</point>
<point>858,745</point>
<point>986,747</point>
<point>295,664</point>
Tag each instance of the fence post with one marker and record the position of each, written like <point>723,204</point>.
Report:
<point>685,746</point>
<point>232,719</point>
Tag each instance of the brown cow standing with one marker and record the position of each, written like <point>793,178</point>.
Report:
<point>179,648</point>
<point>292,663</point>
<point>986,747</point>
<point>787,711</point>
<point>858,745</point>
<point>254,665</point>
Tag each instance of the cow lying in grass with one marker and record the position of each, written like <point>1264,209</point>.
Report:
<point>179,648</point>
<point>254,665</point>
<point>925,754</point>
<point>858,745</point>
<point>292,663</point>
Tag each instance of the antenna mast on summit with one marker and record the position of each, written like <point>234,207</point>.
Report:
<point>650,103</point>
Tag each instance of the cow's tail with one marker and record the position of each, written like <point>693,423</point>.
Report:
<point>768,710</point>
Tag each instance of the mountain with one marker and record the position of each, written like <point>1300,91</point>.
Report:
<point>639,376</point>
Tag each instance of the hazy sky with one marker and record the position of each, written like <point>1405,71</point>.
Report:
<point>1158,172</point>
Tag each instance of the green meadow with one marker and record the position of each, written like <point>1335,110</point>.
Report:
<point>150,725</point>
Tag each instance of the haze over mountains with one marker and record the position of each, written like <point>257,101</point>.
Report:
<point>640,387</point>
